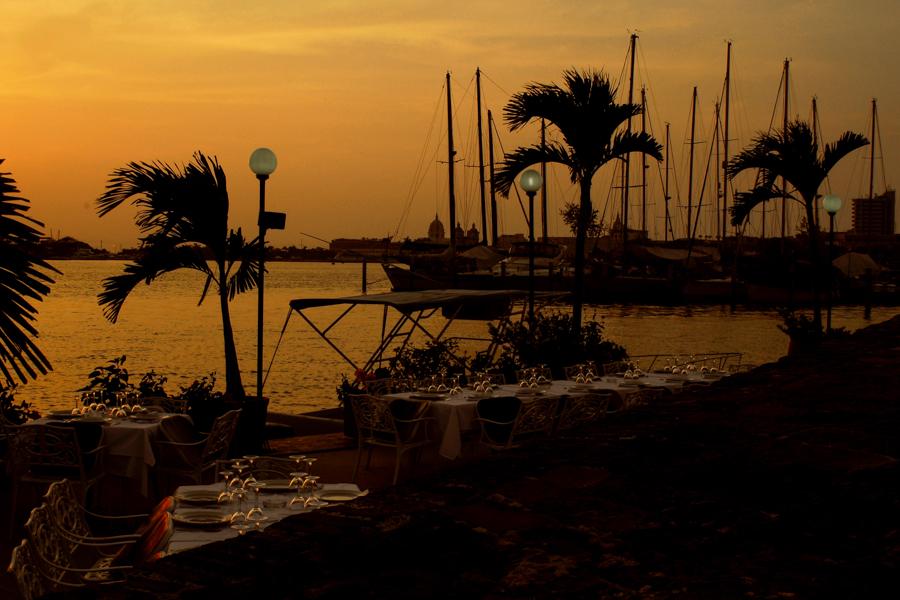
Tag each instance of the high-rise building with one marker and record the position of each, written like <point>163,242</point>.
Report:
<point>874,216</point>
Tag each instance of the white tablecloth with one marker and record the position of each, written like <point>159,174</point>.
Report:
<point>129,448</point>
<point>185,538</point>
<point>456,414</point>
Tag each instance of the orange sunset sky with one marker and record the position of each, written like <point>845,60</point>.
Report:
<point>346,92</point>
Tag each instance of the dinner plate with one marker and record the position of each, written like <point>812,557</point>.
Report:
<point>144,418</point>
<point>197,496</point>
<point>529,392</point>
<point>339,496</point>
<point>64,413</point>
<point>94,419</point>
<point>200,518</point>
<point>276,486</point>
<point>582,387</point>
<point>429,396</point>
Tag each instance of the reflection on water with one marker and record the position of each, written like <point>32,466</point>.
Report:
<point>161,328</point>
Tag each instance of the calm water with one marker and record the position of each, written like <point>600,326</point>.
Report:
<point>161,328</point>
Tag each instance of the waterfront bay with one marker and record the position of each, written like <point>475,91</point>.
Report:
<point>161,328</point>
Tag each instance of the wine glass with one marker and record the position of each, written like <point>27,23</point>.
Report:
<point>309,463</point>
<point>312,486</point>
<point>255,515</point>
<point>579,377</point>
<point>225,494</point>
<point>238,520</point>
<point>251,459</point>
<point>454,385</point>
<point>299,478</point>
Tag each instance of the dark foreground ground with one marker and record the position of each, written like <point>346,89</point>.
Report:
<point>782,483</point>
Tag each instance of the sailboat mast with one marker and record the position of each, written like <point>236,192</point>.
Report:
<point>644,163</point>
<point>666,197</point>
<point>725,129</point>
<point>787,88</point>
<point>493,184</point>
<point>627,166</point>
<point>451,153</point>
<point>691,161</point>
<point>872,159</point>
<point>720,233</point>
<point>815,132</point>
<point>544,179</point>
<point>480,157</point>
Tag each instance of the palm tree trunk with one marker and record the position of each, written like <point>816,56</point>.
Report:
<point>234,388</point>
<point>584,217</point>
<point>813,234</point>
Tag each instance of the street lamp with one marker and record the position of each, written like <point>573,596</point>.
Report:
<point>831,204</point>
<point>262,163</point>
<point>531,181</point>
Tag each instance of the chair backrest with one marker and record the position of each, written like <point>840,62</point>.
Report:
<point>536,416</point>
<point>26,568</point>
<point>497,417</point>
<point>47,453</point>
<point>374,420</point>
<point>497,378</point>
<point>54,551</point>
<point>220,436</point>
<point>65,508</point>
<point>169,404</point>
<point>578,410</point>
<point>177,428</point>
<point>611,368</point>
<point>272,467</point>
<point>387,385</point>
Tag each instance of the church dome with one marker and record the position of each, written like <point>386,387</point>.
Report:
<point>436,230</point>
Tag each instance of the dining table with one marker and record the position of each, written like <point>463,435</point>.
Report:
<point>128,441</point>
<point>454,413</point>
<point>200,519</point>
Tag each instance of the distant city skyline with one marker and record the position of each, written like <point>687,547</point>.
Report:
<point>347,93</point>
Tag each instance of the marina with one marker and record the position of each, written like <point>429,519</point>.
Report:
<point>306,371</point>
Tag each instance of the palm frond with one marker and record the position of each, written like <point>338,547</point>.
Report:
<point>844,145</point>
<point>641,141</point>
<point>156,259</point>
<point>246,256</point>
<point>521,158</point>
<point>23,279</point>
<point>745,202</point>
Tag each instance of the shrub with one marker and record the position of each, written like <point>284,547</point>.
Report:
<point>106,382</point>
<point>557,344</point>
<point>152,384</point>
<point>12,412</point>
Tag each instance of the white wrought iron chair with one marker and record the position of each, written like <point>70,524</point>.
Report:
<point>580,410</point>
<point>42,454</point>
<point>194,462</point>
<point>382,422</point>
<point>508,422</point>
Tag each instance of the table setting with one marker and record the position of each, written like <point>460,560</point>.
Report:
<point>239,503</point>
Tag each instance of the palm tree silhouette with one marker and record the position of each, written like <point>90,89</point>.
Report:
<point>585,112</point>
<point>23,279</point>
<point>183,214</point>
<point>794,155</point>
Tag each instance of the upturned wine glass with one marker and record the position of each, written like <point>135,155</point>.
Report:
<point>255,515</point>
<point>312,498</point>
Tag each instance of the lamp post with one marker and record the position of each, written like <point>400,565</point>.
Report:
<point>531,181</point>
<point>262,163</point>
<point>831,204</point>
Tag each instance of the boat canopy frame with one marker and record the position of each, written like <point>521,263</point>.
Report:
<point>413,308</point>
